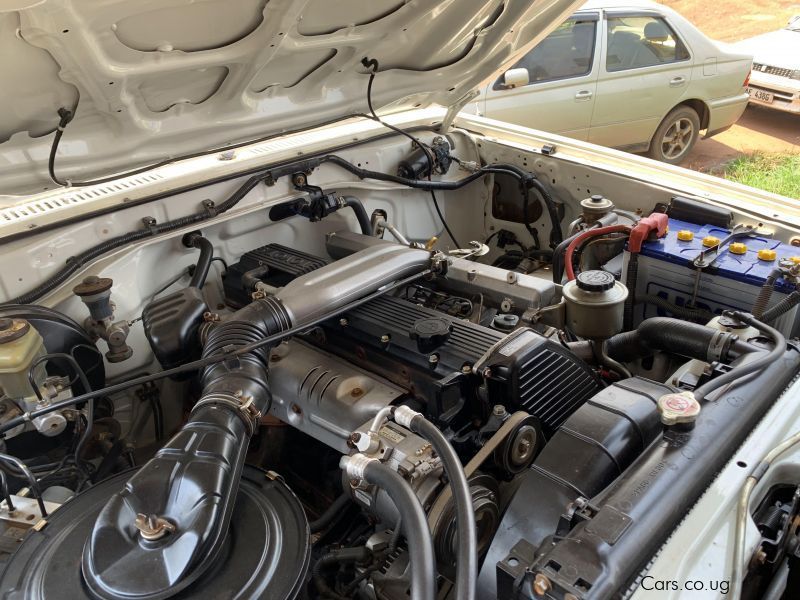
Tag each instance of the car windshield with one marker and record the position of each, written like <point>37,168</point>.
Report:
<point>794,24</point>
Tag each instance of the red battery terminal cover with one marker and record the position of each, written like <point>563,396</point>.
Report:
<point>648,228</point>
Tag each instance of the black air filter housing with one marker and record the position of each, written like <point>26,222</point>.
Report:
<point>265,555</point>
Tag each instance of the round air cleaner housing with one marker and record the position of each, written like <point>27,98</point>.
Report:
<point>265,555</point>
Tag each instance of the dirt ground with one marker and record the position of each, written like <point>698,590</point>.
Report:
<point>734,20</point>
<point>759,129</point>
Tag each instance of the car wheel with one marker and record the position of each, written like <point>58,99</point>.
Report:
<point>676,136</point>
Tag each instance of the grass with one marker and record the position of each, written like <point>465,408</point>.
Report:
<point>777,173</point>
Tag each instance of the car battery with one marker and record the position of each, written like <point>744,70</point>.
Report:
<point>732,281</point>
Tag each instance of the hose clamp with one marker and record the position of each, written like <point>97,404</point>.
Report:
<point>719,345</point>
<point>242,405</point>
<point>355,465</point>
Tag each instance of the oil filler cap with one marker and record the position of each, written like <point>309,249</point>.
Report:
<point>430,333</point>
<point>679,409</point>
<point>595,281</point>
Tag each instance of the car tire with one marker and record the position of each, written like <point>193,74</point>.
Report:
<point>675,136</point>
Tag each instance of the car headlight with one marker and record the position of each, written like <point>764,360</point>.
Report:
<point>796,74</point>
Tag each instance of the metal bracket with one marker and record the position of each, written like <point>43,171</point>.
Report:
<point>210,207</point>
<point>150,223</point>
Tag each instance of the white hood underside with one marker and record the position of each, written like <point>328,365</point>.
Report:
<point>154,79</point>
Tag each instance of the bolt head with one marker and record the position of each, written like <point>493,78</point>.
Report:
<point>541,584</point>
<point>385,338</point>
<point>433,359</point>
<point>343,322</point>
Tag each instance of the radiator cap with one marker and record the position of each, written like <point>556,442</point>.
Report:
<point>680,408</point>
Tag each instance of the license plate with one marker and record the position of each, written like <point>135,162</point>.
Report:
<point>761,95</point>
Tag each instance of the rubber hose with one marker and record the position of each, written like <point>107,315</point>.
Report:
<point>585,235</point>
<point>754,366</point>
<point>764,295</point>
<point>631,276</point>
<point>558,252</point>
<point>684,312</point>
<point>558,257</point>
<point>602,357</point>
<point>782,307</point>
<point>467,556</point>
<point>335,557</point>
<point>361,213</point>
<point>666,334</point>
<point>415,527</point>
<point>204,262</point>
<point>333,511</point>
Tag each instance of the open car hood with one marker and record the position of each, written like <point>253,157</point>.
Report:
<point>158,79</point>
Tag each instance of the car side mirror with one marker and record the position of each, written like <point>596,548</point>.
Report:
<point>516,78</point>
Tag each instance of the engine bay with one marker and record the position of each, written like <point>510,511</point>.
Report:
<point>321,393</point>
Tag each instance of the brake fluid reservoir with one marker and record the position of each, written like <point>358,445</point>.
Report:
<point>595,302</point>
<point>20,345</point>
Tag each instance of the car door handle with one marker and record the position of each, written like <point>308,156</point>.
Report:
<point>677,81</point>
<point>583,95</point>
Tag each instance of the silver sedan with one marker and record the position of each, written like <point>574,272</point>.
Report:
<point>630,75</point>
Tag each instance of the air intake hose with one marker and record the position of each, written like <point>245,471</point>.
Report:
<point>172,516</point>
